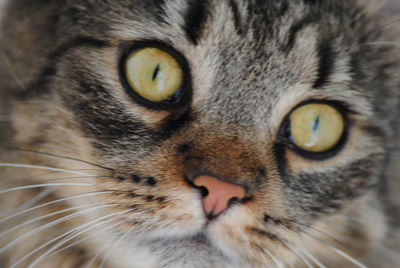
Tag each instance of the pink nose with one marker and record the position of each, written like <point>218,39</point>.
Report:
<point>219,194</point>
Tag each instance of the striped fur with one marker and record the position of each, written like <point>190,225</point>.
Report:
<point>124,169</point>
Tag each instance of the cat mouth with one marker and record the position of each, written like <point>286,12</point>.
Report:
<point>196,243</point>
<point>197,240</point>
<point>194,248</point>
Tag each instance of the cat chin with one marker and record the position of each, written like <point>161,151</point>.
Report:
<point>194,251</point>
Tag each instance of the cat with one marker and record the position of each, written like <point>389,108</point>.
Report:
<point>190,133</point>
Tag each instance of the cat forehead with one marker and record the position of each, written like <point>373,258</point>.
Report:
<point>244,55</point>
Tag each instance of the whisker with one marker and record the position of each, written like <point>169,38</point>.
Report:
<point>57,201</point>
<point>60,156</point>
<point>278,263</point>
<point>342,243</point>
<point>346,256</point>
<point>40,218</point>
<point>43,168</point>
<point>338,251</point>
<point>313,258</point>
<point>33,186</point>
<point>113,243</point>
<point>297,253</point>
<point>13,72</point>
<point>35,199</point>
<point>80,177</point>
<point>87,237</point>
<point>50,224</point>
<point>49,173</point>
<point>65,234</point>
<point>389,24</point>
<point>382,43</point>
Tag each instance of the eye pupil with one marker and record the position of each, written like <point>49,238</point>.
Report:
<point>316,128</point>
<point>156,71</point>
<point>316,124</point>
<point>153,75</point>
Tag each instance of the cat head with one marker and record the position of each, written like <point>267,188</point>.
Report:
<point>293,101</point>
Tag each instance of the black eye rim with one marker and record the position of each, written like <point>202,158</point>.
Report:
<point>317,156</point>
<point>177,102</point>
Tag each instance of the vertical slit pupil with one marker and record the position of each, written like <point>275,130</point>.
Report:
<point>156,71</point>
<point>315,124</point>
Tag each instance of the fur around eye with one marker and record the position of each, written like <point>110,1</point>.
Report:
<point>316,128</point>
<point>190,133</point>
<point>153,74</point>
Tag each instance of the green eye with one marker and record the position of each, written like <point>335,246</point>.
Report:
<point>316,128</point>
<point>153,74</point>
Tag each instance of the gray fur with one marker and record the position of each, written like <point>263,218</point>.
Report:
<point>251,62</point>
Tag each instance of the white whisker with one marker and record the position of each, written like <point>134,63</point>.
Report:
<point>77,178</point>
<point>297,253</point>
<point>113,244</point>
<point>33,186</point>
<point>278,263</point>
<point>40,218</point>
<point>346,256</point>
<point>53,172</point>
<point>313,258</point>
<point>87,237</point>
<point>50,224</point>
<point>338,251</point>
<point>60,157</point>
<point>382,43</point>
<point>44,168</point>
<point>13,72</point>
<point>53,202</point>
<point>65,234</point>
<point>34,200</point>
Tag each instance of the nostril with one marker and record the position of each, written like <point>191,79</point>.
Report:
<point>203,190</point>
<point>233,201</point>
<point>219,195</point>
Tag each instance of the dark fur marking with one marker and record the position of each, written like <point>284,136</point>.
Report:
<point>319,193</point>
<point>284,8</point>
<point>106,120</point>
<point>326,62</point>
<point>269,235</point>
<point>161,199</point>
<point>280,160</point>
<point>134,195</point>
<point>262,172</point>
<point>294,30</point>
<point>281,222</point>
<point>40,85</point>
<point>236,16</point>
<point>184,148</point>
<point>136,178</point>
<point>149,198</point>
<point>195,19</point>
<point>82,257</point>
<point>268,218</point>
<point>119,178</point>
<point>175,122</point>
<point>158,7</point>
<point>151,181</point>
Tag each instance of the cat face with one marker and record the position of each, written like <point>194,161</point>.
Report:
<point>285,100</point>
